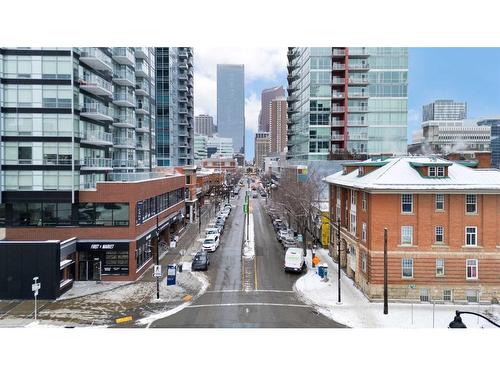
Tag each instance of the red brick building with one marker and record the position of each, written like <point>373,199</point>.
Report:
<point>443,223</point>
<point>112,228</point>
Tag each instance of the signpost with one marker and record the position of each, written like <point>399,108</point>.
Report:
<point>35,287</point>
<point>157,271</point>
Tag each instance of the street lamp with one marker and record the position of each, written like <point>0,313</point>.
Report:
<point>457,321</point>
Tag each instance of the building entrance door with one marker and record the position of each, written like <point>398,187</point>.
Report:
<point>89,270</point>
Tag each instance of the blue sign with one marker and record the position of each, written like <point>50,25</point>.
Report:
<point>171,273</point>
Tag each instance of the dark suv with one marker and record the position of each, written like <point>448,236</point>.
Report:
<point>200,261</point>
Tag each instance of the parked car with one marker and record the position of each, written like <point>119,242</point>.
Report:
<point>288,242</point>
<point>220,225</point>
<point>223,214</point>
<point>277,222</point>
<point>282,234</point>
<point>200,262</point>
<point>294,260</point>
<point>212,230</point>
<point>211,243</point>
<point>228,207</point>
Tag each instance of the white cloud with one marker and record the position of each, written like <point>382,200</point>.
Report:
<point>260,64</point>
<point>252,109</point>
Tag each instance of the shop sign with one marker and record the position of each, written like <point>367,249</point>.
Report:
<point>171,273</point>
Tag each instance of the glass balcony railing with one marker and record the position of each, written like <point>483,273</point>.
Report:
<point>95,85</point>
<point>123,163</point>
<point>338,66</point>
<point>124,77</point>
<point>123,142</point>
<point>97,138</point>
<point>89,163</point>
<point>338,109</point>
<point>96,58</point>
<point>124,55</point>
<point>337,137</point>
<point>338,52</point>
<point>125,99</point>
<point>96,111</point>
<point>338,81</point>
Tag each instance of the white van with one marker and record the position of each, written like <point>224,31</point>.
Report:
<point>294,260</point>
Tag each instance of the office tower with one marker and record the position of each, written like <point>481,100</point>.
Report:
<point>346,102</point>
<point>73,116</point>
<point>266,97</point>
<point>204,125</point>
<point>278,126</point>
<point>262,148</point>
<point>174,122</point>
<point>231,104</point>
<point>200,148</point>
<point>494,125</point>
<point>220,146</point>
<point>444,110</point>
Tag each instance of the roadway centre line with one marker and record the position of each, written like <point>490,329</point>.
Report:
<point>249,291</point>
<point>249,304</point>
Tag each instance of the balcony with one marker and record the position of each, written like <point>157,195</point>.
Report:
<point>292,89</point>
<point>142,126</point>
<point>57,160</point>
<point>338,52</point>
<point>182,88</point>
<point>142,88</point>
<point>338,109</point>
<point>182,77</point>
<point>182,99</point>
<point>142,164</point>
<point>338,66</point>
<point>359,67</point>
<point>361,95</point>
<point>124,122</point>
<point>96,59</point>
<point>133,176</point>
<point>123,163</point>
<point>141,52</point>
<point>183,64</point>
<point>358,109</point>
<point>97,138</point>
<point>141,70</point>
<point>124,77</point>
<point>292,53</point>
<point>95,85</point>
<point>96,164</point>
<point>357,137</point>
<point>338,81</point>
<point>359,52</point>
<point>338,95</point>
<point>96,111</point>
<point>124,55</point>
<point>358,80</point>
<point>337,124</point>
<point>183,54</point>
<point>337,137</point>
<point>357,123</point>
<point>124,99</point>
<point>190,83</point>
<point>292,77</point>
<point>142,107</point>
<point>292,98</point>
<point>123,142</point>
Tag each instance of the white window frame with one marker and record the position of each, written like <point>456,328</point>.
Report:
<point>437,201</point>
<point>364,261</point>
<point>473,264</point>
<point>440,171</point>
<point>440,267</point>
<point>363,201</point>
<point>352,224</point>
<point>467,203</point>
<point>467,234</point>
<point>363,232</point>
<point>354,198</point>
<point>403,267</point>
<point>403,196</point>
<point>451,295</point>
<point>431,172</point>
<point>438,228</point>
<point>405,235</point>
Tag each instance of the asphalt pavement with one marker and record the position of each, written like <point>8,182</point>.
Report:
<point>248,293</point>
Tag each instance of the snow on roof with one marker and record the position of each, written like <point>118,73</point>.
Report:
<point>399,174</point>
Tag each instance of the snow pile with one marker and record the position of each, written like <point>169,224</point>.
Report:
<point>201,281</point>
<point>249,246</point>
<point>84,288</point>
<point>356,311</point>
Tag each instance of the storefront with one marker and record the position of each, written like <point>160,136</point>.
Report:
<point>97,259</point>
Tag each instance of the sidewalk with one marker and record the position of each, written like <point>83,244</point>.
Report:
<point>357,312</point>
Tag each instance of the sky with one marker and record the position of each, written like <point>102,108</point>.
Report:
<point>463,74</point>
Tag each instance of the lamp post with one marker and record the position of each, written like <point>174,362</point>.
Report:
<point>338,251</point>
<point>457,321</point>
<point>212,197</point>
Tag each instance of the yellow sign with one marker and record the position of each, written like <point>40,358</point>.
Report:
<point>325,230</point>
<point>124,319</point>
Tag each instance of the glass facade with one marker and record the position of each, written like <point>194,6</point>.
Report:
<point>346,100</point>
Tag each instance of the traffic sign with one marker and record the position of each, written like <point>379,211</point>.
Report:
<point>35,287</point>
<point>157,271</point>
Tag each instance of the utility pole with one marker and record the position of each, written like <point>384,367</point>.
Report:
<point>157,257</point>
<point>199,217</point>
<point>386,307</point>
<point>338,252</point>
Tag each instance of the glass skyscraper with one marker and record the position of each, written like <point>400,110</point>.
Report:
<point>231,104</point>
<point>174,110</point>
<point>346,102</point>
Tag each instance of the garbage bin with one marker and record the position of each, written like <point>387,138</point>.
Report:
<point>320,271</point>
<point>179,266</point>
<point>324,267</point>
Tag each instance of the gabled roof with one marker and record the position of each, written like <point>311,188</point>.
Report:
<point>399,174</point>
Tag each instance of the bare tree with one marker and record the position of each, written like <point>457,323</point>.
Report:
<point>299,200</point>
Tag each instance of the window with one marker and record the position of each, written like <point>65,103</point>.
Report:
<point>363,262</point>
<point>407,266</point>
<point>406,235</point>
<point>471,268</point>
<point>471,203</point>
<point>439,202</point>
<point>472,295</point>
<point>432,172</point>
<point>440,171</point>
<point>407,203</point>
<point>439,267</point>
<point>353,197</point>
<point>436,172</point>
<point>363,201</point>
<point>353,222</point>
<point>471,236</point>
<point>363,232</point>
<point>439,234</point>
<point>424,295</point>
<point>447,295</point>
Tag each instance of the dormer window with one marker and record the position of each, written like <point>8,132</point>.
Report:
<point>436,171</point>
<point>344,170</point>
<point>361,171</point>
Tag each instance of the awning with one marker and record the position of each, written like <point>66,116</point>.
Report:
<point>65,263</point>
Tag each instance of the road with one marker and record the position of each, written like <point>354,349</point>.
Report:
<point>248,293</point>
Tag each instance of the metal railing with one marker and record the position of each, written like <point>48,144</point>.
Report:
<point>123,141</point>
<point>124,52</point>
<point>97,163</point>
<point>338,66</point>
<point>126,73</point>
<point>93,80</point>
<point>338,81</point>
<point>95,108</point>
<point>44,161</point>
<point>337,137</point>
<point>338,52</point>
<point>134,176</point>
<point>123,163</point>
<point>97,137</point>
<point>95,53</point>
<point>359,66</point>
<point>358,80</point>
<point>124,96</point>
<point>338,109</point>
